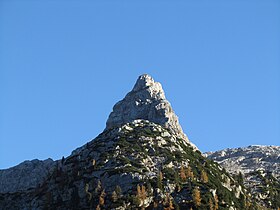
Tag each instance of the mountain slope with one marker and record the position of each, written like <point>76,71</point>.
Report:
<point>260,168</point>
<point>142,160</point>
<point>25,175</point>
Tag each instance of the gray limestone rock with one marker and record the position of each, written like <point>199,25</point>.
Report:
<point>28,174</point>
<point>146,101</point>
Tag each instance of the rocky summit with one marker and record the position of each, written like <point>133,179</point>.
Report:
<point>142,160</point>
<point>146,101</point>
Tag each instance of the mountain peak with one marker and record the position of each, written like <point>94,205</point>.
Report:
<point>145,81</point>
<point>146,101</point>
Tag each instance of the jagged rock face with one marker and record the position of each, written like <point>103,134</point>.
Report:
<point>260,166</point>
<point>146,101</point>
<point>249,159</point>
<point>25,175</point>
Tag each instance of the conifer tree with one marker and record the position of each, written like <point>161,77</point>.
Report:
<point>183,174</point>
<point>160,176</point>
<point>99,187</point>
<point>118,191</point>
<point>211,206</point>
<point>204,176</point>
<point>101,201</point>
<point>196,197</point>
<point>189,173</point>
<point>102,198</point>
<point>114,196</point>
<point>141,192</point>
<point>159,181</point>
<point>240,179</point>
<point>216,202</point>
<point>138,190</point>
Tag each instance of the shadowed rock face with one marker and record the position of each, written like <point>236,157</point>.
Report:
<point>146,101</point>
<point>28,174</point>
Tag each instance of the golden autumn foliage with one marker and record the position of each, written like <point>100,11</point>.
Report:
<point>211,206</point>
<point>204,176</point>
<point>189,173</point>
<point>102,198</point>
<point>216,202</point>
<point>141,192</point>
<point>168,203</point>
<point>196,197</point>
<point>182,174</point>
<point>114,196</point>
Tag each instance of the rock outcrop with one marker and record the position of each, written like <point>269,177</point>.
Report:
<point>258,166</point>
<point>28,174</point>
<point>146,101</point>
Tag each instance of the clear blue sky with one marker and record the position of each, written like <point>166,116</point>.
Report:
<point>64,64</point>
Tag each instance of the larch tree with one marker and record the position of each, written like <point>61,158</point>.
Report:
<point>216,202</point>
<point>196,197</point>
<point>211,206</point>
<point>182,174</point>
<point>189,173</point>
<point>114,196</point>
<point>102,198</point>
<point>204,176</point>
<point>159,180</point>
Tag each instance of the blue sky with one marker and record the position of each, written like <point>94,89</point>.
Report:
<point>64,64</point>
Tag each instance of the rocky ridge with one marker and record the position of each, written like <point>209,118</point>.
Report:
<point>258,166</point>
<point>28,174</point>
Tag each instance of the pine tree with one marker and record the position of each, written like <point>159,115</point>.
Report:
<point>204,176</point>
<point>196,197</point>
